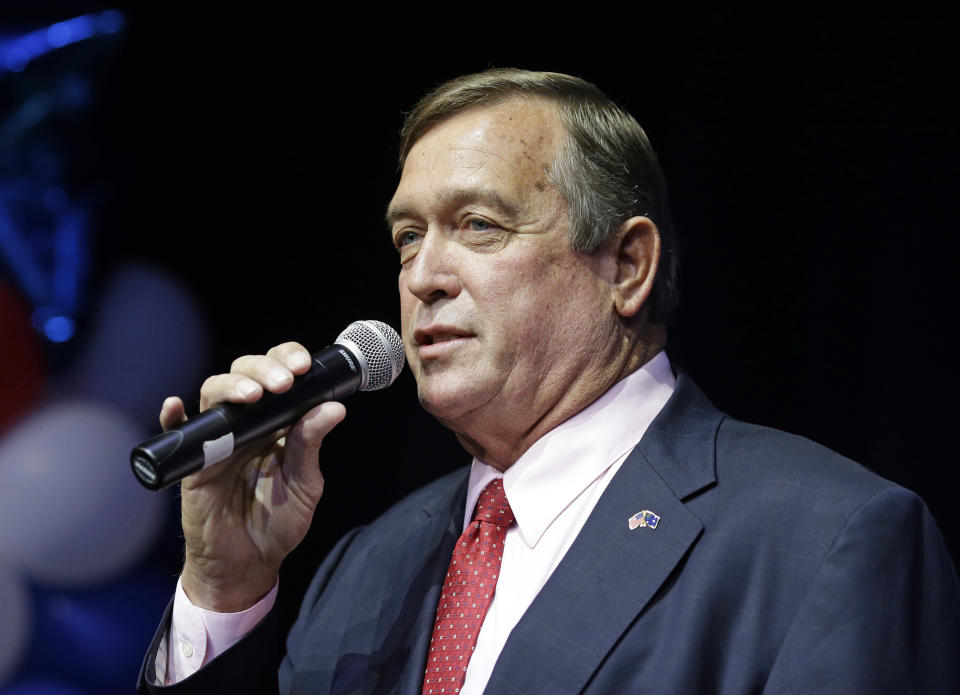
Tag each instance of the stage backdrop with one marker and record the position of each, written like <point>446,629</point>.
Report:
<point>184,186</point>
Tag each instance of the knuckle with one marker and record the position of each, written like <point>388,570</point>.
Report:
<point>256,367</point>
<point>283,350</point>
<point>214,387</point>
<point>240,363</point>
<point>291,355</point>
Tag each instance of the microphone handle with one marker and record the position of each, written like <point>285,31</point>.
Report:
<point>215,434</point>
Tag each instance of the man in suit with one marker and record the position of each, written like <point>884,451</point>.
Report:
<point>650,542</point>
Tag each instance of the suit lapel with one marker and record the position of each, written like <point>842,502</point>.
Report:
<point>611,572</point>
<point>435,537</point>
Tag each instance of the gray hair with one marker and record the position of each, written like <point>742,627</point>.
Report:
<point>606,170</point>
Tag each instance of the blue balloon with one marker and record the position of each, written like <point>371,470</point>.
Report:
<point>96,638</point>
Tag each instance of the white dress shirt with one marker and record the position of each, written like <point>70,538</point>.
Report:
<point>552,489</point>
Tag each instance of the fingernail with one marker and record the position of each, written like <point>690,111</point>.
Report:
<point>279,376</point>
<point>298,360</point>
<point>247,388</point>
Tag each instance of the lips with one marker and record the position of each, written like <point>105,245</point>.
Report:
<point>438,338</point>
<point>434,339</point>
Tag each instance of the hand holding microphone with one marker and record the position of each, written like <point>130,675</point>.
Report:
<point>367,356</point>
<point>243,514</point>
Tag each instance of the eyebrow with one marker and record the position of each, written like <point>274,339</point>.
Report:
<point>457,197</point>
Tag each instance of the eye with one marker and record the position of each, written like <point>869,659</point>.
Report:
<point>477,224</point>
<point>482,234</point>
<point>406,237</point>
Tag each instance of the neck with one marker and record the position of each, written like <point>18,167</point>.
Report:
<point>499,441</point>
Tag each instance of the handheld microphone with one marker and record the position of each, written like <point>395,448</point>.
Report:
<point>367,356</point>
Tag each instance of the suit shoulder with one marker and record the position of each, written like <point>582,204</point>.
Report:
<point>351,555</point>
<point>440,496</point>
<point>768,456</point>
<point>785,491</point>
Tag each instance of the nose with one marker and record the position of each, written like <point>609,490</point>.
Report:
<point>431,274</point>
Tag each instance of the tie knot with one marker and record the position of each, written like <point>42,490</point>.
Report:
<point>492,505</point>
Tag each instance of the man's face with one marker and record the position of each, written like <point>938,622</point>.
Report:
<point>501,319</point>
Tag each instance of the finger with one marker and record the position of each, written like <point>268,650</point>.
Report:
<point>310,430</point>
<point>304,440</point>
<point>293,356</point>
<point>172,413</point>
<point>269,372</point>
<point>264,465</point>
<point>231,388</point>
<point>228,469</point>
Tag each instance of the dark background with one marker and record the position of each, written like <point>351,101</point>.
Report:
<point>811,157</point>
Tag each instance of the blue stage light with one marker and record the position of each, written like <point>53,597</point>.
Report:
<point>17,52</point>
<point>111,21</point>
<point>16,59</point>
<point>58,329</point>
<point>71,31</point>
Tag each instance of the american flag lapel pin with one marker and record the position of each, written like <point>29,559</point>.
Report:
<point>644,519</point>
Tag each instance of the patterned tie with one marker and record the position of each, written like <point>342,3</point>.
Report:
<point>467,590</point>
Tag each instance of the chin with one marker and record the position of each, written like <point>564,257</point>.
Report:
<point>446,402</point>
<point>442,407</point>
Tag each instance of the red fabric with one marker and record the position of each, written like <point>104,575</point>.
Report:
<point>467,591</point>
<point>22,364</point>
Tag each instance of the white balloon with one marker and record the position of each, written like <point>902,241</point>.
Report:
<point>71,512</point>
<point>147,340</point>
<point>14,622</point>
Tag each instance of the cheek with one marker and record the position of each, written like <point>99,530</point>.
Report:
<point>565,306</point>
<point>407,303</point>
<point>407,323</point>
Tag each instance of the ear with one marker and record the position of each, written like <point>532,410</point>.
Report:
<point>638,256</point>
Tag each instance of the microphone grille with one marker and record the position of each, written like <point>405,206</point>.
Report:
<point>380,347</point>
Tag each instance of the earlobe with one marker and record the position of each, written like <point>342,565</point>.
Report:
<point>638,256</point>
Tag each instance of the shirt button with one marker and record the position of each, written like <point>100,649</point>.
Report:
<point>186,647</point>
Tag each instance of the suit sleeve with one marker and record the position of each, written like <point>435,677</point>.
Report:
<point>883,612</point>
<point>253,663</point>
<point>250,666</point>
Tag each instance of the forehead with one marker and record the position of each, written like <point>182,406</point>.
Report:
<point>509,147</point>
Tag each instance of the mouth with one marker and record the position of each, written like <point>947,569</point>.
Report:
<point>438,335</point>
<point>439,338</point>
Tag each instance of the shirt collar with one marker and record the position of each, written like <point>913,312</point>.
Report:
<point>564,462</point>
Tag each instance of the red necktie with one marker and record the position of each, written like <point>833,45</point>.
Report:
<point>467,591</point>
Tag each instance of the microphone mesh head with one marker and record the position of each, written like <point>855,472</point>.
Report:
<point>381,348</point>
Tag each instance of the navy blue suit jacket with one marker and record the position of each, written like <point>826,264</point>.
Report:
<point>777,567</point>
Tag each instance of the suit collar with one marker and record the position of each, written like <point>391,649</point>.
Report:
<point>611,572</point>
<point>447,497</point>
<point>556,470</point>
<point>679,445</point>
